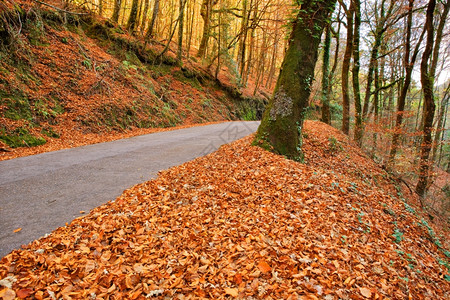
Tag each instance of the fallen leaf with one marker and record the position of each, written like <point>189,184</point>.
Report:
<point>7,294</point>
<point>39,295</point>
<point>24,293</point>
<point>365,292</point>
<point>263,266</point>
<point>238,278</point>
<point>90,265</point>
<point>17,230</point>
<point>232,292</point>
<point>8,281</point>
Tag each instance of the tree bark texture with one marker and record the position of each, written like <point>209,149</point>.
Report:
<point>151,26</point>
<point>180,29</point>
<point>326,118</point>
<point>428,104</point>
<point>346,70</point>
<point>131,25</point>
<point>205,12</point>
<point>116,11</point>
<point>355,74</point>
<point>281,127</point>
<point>409,64</point>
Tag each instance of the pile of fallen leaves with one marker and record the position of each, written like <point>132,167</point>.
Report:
<point>244,223</point>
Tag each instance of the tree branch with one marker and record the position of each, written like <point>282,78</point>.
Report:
<point>60,9</point>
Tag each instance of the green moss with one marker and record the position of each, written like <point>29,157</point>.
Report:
<point>48,131</point>
<point>98,31</point>
<point>188,77</point>
<point>36,32</point>
<point>52,18</point>
<point>47,109</point>
<point>20,138</point>
<point>18,106</point>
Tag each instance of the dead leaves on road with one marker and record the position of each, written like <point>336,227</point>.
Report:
<point>241,223</point>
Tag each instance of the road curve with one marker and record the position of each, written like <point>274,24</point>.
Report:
<point>42,192</point>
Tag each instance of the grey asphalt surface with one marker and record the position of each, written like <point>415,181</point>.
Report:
<point>42,192</point>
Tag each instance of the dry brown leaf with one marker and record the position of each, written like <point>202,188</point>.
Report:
<point>7,294</point>
<point>24,293</point>
<point>365,292</point>
<point>232,292</point>
<point>213,222</point>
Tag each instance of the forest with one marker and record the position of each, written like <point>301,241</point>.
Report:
<point>382,75</point>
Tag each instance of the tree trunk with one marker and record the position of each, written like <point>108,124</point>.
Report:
<point>116,11</point>
<point>139,15</point>
<point>244,32</point>
<point>171,34</point>
<point>409,64</point>
<point>437,44</point>
<point>249,60</point>
<point>273,60</point>
<point>205,12</point>
<point>276,38</point>
<point>281,127</point>
<point>180,29</point>
<point>151,26</point>
<point>100,7</point>
<point>376,109</point>
<point>144,16</point>
<point>355,75</point>
<point>131,25</point>
<point>428,104</point>
<point>440,125</point>
<point>346,70</point>
<point>331,75</point>
<point>190,27</point>
<point>325,76</point>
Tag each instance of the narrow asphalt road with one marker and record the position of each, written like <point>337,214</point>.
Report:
<point>42,192</point>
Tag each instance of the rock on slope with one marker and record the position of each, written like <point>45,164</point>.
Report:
<point>245,223</point>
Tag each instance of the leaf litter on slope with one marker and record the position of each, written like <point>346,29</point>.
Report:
<point>245,223</point>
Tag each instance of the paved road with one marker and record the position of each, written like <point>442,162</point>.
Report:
<point>42,192</point>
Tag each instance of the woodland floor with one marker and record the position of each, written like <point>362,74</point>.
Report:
<point>245,223</point>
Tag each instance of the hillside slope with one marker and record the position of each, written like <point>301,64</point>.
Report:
<point>245,223</point>
<point>68,80</point>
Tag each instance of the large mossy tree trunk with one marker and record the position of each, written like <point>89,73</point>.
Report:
<point>281,127</point>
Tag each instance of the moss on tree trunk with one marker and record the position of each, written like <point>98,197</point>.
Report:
<point>281,126</point>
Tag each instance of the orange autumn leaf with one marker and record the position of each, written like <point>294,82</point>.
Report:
<point>17,230</point>
<point>238,278</point>
<point>263,266</point>
<point>24,293</point>
<point>175,233</point>
<point>232,292</point>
